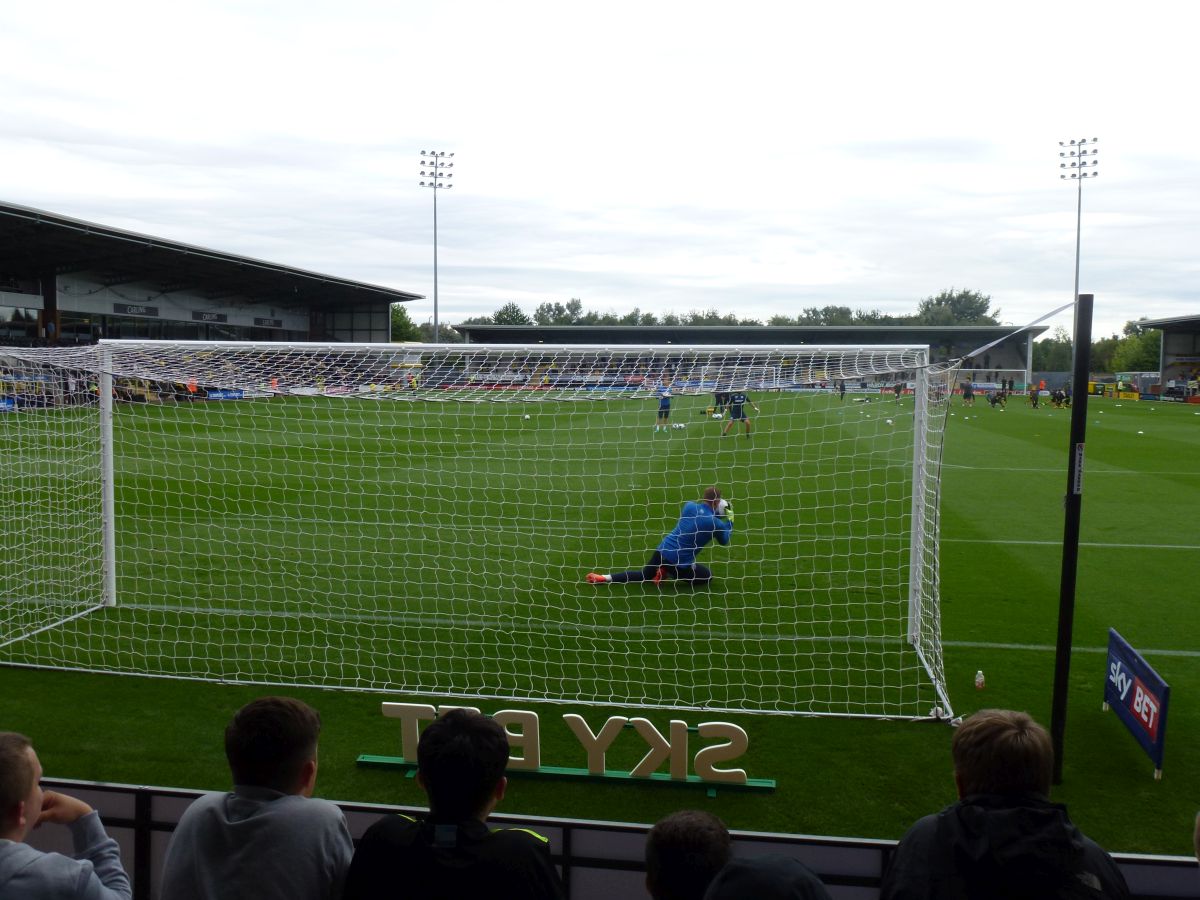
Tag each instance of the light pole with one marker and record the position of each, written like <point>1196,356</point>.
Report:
<point>1079,163</point>
<point>434,164</point>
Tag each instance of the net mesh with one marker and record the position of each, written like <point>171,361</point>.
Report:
<point>421,518</point>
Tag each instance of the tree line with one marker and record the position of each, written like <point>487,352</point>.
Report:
<point>950,307</point>
<point>1136,350</point>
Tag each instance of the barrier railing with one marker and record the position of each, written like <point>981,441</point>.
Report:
<point>598,860</point>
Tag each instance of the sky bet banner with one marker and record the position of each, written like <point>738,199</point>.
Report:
<point>1138,695</point>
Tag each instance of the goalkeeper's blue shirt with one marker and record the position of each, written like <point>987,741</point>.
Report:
<point>697,525</point>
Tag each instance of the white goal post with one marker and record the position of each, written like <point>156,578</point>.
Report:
<point>420,519</point>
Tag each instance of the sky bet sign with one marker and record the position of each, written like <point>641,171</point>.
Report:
<point>722,742</point>
<point>1139,696</point>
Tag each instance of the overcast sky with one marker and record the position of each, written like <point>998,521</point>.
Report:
<point>755,158</point>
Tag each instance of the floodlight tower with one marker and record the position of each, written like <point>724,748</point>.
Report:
<point>1079,163</point>
<point>434,164</point>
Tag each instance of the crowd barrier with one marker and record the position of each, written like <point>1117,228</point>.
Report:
<point>598,860</point>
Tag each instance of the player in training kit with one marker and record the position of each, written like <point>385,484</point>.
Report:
<point>737,411</point>
<point>700,522</point>
<point>720,398</point>
<point>664,407</point>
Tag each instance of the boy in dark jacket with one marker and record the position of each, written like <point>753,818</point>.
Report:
<point>1003,838</point>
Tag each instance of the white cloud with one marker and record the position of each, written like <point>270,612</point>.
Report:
<point>756,159</point>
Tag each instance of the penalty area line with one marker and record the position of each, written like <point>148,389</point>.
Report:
<point>1098,544</point>
<point>1050,648</point>
<point>518,626</point>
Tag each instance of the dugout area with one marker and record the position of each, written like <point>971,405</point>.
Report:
<point>1180,357</point>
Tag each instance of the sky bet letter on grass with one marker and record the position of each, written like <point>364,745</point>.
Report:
<point>727,741</point>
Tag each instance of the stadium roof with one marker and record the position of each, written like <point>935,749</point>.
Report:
<point>33,242</point>
<point>1175,323</point>
<point>740,334</point>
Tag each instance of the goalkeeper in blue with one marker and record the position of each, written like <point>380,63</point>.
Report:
<point>700,522</point>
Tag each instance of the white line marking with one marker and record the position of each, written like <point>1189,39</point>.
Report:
<point>1103,546</point>
<point>410,619</point>
<point>1050,648</point>
<point>1062,470</point>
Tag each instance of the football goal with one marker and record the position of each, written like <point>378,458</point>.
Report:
<point>420,519</point>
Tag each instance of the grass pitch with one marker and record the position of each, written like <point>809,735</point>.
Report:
<point>441,547</point>
<point>1003,483</point>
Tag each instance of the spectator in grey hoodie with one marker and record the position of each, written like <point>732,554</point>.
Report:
<point>94,873</point>
<point>268,838</point>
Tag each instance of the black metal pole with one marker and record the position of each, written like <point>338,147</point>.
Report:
<point>1073,503</point>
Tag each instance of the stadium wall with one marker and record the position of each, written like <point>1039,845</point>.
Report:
<point>598,860</point>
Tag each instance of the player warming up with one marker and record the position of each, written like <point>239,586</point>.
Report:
<point>700,521</point>
<point>737,411</point>
<point>664,407</point>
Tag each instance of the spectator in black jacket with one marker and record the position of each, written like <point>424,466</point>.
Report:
<point>684,852</point>
<point>1003,838</point>
<point>461,758</point>
<point>769,877</point>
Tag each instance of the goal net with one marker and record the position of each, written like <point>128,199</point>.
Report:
<point>420,518</point>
